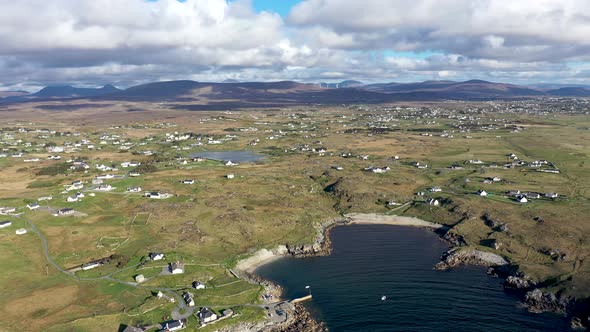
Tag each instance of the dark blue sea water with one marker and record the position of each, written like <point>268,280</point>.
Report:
<point>234,156</point>
<point>369,261</point>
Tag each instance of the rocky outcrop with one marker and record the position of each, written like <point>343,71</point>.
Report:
<point>576,324</point>
<point>454,239</point>
<point>539,301</point>
<point>522,283</point>
<point>455,257</point>
<point>321,245</point>
<point>302,321</point>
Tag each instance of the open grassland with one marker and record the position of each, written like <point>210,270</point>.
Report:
<point>280,199</point>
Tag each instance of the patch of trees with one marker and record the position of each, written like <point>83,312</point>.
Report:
<point>146,168</point>
<point>55,169</point>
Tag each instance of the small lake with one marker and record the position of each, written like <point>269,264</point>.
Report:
<point>235,156</point>
<point>369,261</point>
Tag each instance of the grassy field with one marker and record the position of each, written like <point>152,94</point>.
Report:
<point>279,200</point>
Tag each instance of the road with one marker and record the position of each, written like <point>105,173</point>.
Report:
<point>176,312</point>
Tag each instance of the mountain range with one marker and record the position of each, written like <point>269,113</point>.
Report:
<point>205,95</point>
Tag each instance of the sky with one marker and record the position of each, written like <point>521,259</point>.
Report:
<point>125,43</point>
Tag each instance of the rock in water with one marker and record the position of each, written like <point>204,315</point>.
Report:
<point>539,301</point>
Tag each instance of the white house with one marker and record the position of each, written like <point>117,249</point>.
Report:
<point>172,326</point>
<point>153,194</point>
<point>156,256</point>
<point>134,189</point>
<point>105,187</point>
<point>198,285</point>
<point>176,268</point>
<point>229,163</point>
<point>435,189</point>
<point>433,202</point>
<point>188,181</point>
<point>7,210</point>
<point>33,206</point>
<point>73,198</point>
<point>139,278</point>
<point>65,211</point>
<point>551,195</point>
<point>5,224</point>
<point>522,199</point>
<point>482,193</point>
<point>91,265</point>
<point>206,315</point>
<point>21,231</point>
<point>134,174</point>
<point>230,176</point>
<point>188,298</point>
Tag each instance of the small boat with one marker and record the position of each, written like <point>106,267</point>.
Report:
<point>383,298</point>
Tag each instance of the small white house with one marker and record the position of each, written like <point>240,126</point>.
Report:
<point>21,231</point>
<point>5,224</point>
<point>482,193</point>
<point>188,181</point>
<point>65,211</point>
<point>433,202</point>
<point>198,285</point>
<point>91,265</point>
<point>229,163</point>
<point>522,199</point>
<point>156,256</point>
<point>139,278</point>
<point>72,199</point>
<point>176,268</point>
<point>206,315</point>
<point>188,298</point>
<point>33,206</point>
<point>104,187</point>
<point>134,189</point>
<point>172,326</point>
<point>230,176</point>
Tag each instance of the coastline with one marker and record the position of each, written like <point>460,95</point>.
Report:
<point>459,253</point>
<point>382,219</point>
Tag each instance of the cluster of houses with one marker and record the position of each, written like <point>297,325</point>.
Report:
<point>374,169</point>
<point>7,210</point>
<point>524,197</point>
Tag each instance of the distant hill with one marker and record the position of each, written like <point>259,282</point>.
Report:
<point>555,86</point>
<point>61,92</point>
<point>473,89</point>
<point>570,92</point>
<point>68,91</point>
<point>192,90</point>
<point>207,95</point>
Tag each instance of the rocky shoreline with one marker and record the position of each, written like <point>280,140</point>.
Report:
<point>533,297</point>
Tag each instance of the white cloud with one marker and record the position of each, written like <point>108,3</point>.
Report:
<point>134,41</point>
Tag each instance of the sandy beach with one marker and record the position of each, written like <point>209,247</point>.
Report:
<point>259,258</point>
<point>381,219</point>
<point>265,256</point>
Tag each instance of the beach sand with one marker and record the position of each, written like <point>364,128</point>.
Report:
<point>381,219</point>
